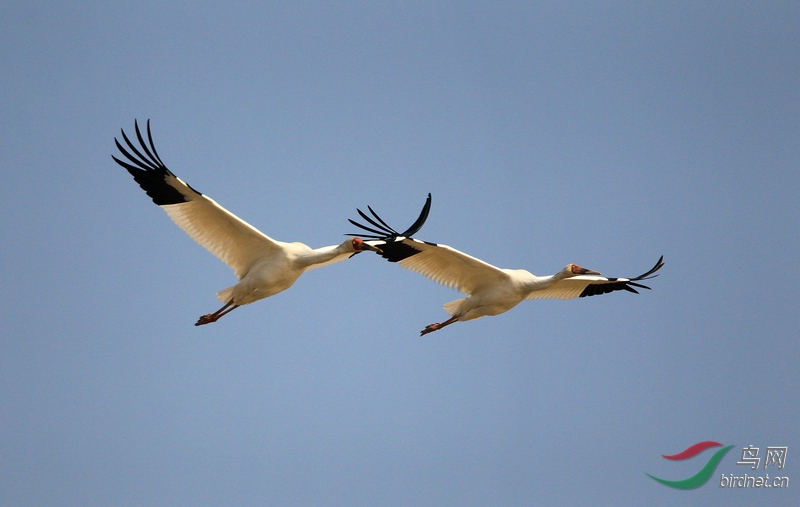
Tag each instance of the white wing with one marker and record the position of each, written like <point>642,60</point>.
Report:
<point>570,288</point>
<point>440,263</point>
<point>231,239</point>
<point>443,264</point>
<point>594,285</point>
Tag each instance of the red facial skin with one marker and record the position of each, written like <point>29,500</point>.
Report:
<point>577,270</point>
<point>358,244</point>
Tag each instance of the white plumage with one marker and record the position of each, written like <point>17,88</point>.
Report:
<point>264,266</point>
<point>490,290</point>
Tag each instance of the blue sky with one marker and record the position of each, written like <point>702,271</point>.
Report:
<point>604,134</point>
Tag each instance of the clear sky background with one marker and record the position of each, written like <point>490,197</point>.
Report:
<point>605,134</point>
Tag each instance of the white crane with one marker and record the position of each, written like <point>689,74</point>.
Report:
<point>264,266</point>
<point>490,290</point>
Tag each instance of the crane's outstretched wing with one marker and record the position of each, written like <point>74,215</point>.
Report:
<point>440,263</point>
<point>593,285</point>
<point>231,239</point>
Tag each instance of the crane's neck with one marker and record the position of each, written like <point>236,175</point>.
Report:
<point>323,256</point>
<point>543,282</point>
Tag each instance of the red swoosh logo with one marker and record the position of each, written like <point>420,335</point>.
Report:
<point>693,450</point>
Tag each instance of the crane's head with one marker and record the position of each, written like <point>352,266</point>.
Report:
<point>575,270</point>
<point>359,245</point>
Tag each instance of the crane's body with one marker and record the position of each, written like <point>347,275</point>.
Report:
<point>490,290</point>
<point>264,266</point>
<point>276,271</point>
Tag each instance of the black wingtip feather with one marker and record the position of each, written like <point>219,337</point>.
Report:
<point>423,217</point>
<point>143,144</point>
<point>381,226</point>
<point>628,285</point>
<point>153,146</point>
<point>396,251</point>
<point>394,247</point>
<point>142,160</point>
<point>380,234</point>
<point>384,226</point>
<point>384,231</point>
<point>147,169</point>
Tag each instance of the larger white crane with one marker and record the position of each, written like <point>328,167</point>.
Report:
<point>490,290</point>
<point>264,266</point>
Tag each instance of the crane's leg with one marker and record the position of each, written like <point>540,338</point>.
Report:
<point>439,325</point>
<point>213,317</point>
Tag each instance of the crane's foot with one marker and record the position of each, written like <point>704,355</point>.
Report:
<point>430,328</point>
<point>437,326</point>
<point>206,319</point>
<point>213,317</point>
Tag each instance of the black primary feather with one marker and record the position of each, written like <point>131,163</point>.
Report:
<point>385,227</point>
<point>380,224</point>
<point>416,226</point>
<point>396,251</point>
<point>384,231</point>
<point>394,247</point>
<point>628,285</point>
<point>148,170</point>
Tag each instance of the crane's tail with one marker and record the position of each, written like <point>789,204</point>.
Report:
<point>453,307</point>
<point>226,295</point>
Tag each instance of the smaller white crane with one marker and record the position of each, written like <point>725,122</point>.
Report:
<point>490,290</point>
<point>264,266</point>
